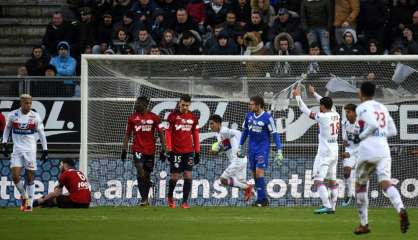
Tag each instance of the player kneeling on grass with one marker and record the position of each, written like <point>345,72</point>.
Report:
<point>325,164</point>
<point>349,129</point>
<point>75,182</point>
<point>376,125</point>
<point>25,125</point>
<point>228,142</point>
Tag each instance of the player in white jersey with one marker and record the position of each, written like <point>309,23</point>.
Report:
<point>376,125</point>
<point>350,128</point>
<point>26,126</point>
<point>228,141</point>
<point>325,164</point>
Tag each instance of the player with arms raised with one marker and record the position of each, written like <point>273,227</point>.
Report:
<point>182,137</point>
<point>25,125</point>
<point>258,126</point>
<point>143,124</point>
<point>376,125</point>
<point>325,164</point>
<point>349,129</point>
<point>228,142</point>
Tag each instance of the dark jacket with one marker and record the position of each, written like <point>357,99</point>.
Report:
<point>229,49</point>
<point>104,33</point>
<point>243,13</point>
<point>36,67</point>
<point>373,15</point>
<point>194,49</point>
<point>182,27</point>
<point>53,35</point>
<point>261,28</point>
<point>316,13</point>
<point>291,26</point>
<point>213,18</point>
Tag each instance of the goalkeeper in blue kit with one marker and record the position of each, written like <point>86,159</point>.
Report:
<point>258,126</point>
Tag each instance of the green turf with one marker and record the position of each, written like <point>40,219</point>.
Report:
<point>198,223</point>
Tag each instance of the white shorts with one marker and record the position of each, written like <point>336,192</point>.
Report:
<point>24,159</point>
<point>366,168</point>
<point>325,167</point>
<point>236,169</point>
<point>350,162</point>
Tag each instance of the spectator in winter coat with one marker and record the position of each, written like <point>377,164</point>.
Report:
<point>257,25</point>
<point>284,45</point>
<point>58,30</point>
<point>346,13</point>
<point>224,46</point>
<point>408,42</point>
<point>144,42</point>
<point>231,26</point>
<point>37,63</point>
<point>285,22</point>
<point>170,8</point>
<point>86,29</point>
<point>243,11</point>
<point>216,12</point>
<point>414,26</point>
<point>129,24</point>
<point>400,17</point>
<point>350,45</point>
<point>104,32</point>
<point>183,22</point>
<point>159,25</point>
<point>196,10</point>
<point>143,10</point>
<point>373,47</point>
<point>316,19</point>
<point>190,43</point>
<point>168,44</point>
<point>64,63</point>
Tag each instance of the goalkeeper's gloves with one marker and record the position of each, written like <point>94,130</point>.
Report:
<point>44,155</point>
<point>240,154</point>
<point>5,151</point>
<point>356,139</point>
<point>196,158</point>
<point>279,157</point>
<point>123,155</point>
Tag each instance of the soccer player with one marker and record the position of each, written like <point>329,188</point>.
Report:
<point>258,126</point>
<point>75,182</point>
<point>143,124</point>
<point>2,123</point>
<point>325,164</point>
<point>376,125</point>
<point>349,129</point>
<point>182,137</point>
<point>26,126</point>
<point>228,142</point>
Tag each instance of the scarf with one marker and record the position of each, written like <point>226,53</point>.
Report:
<point>251,50</point>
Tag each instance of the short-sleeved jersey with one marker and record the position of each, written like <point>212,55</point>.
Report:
<point>259,130</point>
<point>374,146</point>
<point>348,132</point>
<point>329,127</point>
<point>144,126</point>
<point>76,184</point>
<point>229,139</point>
<point>24,129</point>
<point>182,130</point>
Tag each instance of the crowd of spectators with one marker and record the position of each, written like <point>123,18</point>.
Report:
<point>223,27</point>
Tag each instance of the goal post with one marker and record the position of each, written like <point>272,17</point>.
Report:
<point>223,85</point>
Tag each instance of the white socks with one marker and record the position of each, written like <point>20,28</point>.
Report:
<point>30,189</point>
<point>21,188</point>
<point>323,194</point>
<point>333,196</point>
<point>363,204</point>
<point>395,198</point>
<point>234,182</point>
<point>348,187</point>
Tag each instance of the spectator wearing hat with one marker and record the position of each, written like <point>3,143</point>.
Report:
<point>168,43</point>
<point>190,43</point>
<point>346,13</point>
<point>224,45</point>
<point>64,63</point>
<point>37,63</point>
<point>231,26</point>
<point>158,25</point>
<point>284,45</point>
<point>242,8</point>
<point>56,31</point>
<point>285,22</point>
<point>183,22</point>
<point>316,19</point>
<point>350,45</point>
<point>104,33</point>
<point>144,42</point>
<point>86,29</point>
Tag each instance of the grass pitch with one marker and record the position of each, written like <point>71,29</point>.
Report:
<point>221,223</point>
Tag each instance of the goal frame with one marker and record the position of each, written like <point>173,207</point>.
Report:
<point>83,163</point>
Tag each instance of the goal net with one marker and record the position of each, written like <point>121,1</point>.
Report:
<point>223,85</point>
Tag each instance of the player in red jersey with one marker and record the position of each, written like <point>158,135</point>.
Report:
<point>143,124</point>
<point>76,184</point>
<point>182,137</point>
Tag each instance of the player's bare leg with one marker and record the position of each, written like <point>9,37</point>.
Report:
<point>187,187</point>
<point>30,189</point>
<point>324,196</point>
<point>19,186</point>
<point>362,201</point>
<point>348,192</point>
<point>171,186</point>
<point>395,199</point>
